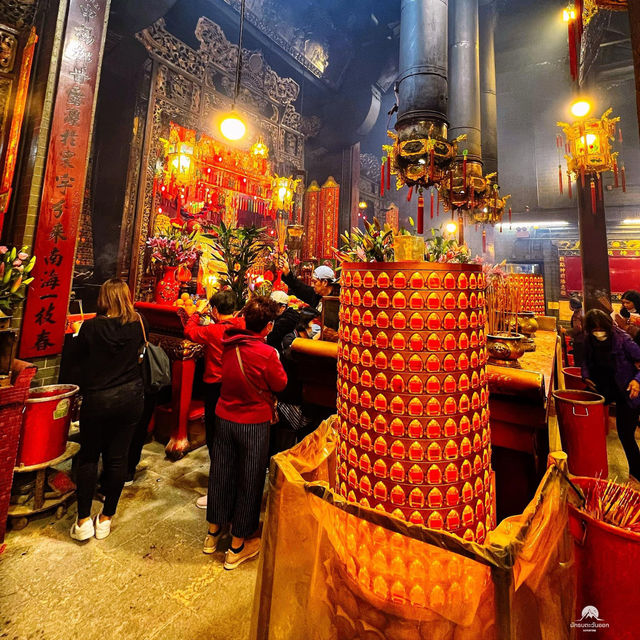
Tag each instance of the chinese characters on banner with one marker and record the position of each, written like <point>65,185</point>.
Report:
<point>48,298</point>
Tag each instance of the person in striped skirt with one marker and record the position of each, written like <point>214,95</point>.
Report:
<point>251,376</point>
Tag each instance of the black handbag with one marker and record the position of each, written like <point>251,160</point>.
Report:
<point>156,366</point>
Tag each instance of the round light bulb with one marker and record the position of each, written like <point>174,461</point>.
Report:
<point>580,108</point>
<point>451,227</point>
<point>232,127</point>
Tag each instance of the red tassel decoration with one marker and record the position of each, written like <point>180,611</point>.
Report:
<point>484,241</point>
<point>593,198</point>
<point>382,178</point>
<point>509,215</point>
<point>431,191</point>
<point>560,178</point>
<point>620,135</point>
<point>573,63</point>
<point>615,174</point>
<point>569,182</point>
<point>410,194</point>
<point>624,179</point>
<point>388,174</point>
<point>420,226</point>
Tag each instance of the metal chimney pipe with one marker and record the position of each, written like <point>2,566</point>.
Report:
<point>464,74</point>
<point>422,82</point>
<point>488,101</point>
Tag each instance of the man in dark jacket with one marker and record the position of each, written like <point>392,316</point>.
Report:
<point>323,283</point>
<point>285,323</point>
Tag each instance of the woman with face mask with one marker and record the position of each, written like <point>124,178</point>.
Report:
<point>610,369</point>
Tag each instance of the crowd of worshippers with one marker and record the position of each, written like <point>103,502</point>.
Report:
<point>254,405</point>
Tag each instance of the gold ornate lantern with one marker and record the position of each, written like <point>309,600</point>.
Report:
<point>283,191</point>
<point>589,143</point>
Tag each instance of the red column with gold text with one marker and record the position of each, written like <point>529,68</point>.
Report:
<point>311,221</point>
<point>47,301</point>
<point>329,209</point>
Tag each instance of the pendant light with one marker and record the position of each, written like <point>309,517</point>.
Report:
<point>232,126</point>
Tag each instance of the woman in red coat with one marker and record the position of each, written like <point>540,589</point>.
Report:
<point>251,375</point>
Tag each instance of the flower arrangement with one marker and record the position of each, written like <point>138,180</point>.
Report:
<point>235,250</point>
<point>175,246</point>
<point>442,249</point>
<point>374,244</point>
<point>15,267</point>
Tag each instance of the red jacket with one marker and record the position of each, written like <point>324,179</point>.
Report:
<point>210,336</point>
<point>240,401</point>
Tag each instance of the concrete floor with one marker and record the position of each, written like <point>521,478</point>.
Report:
<point>149,579</point>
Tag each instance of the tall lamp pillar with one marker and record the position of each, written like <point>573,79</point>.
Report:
<point>589,154</point>
<point>594,256</point>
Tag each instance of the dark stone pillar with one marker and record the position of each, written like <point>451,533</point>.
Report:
<point>349,188</point>
<point>593,245</point>
<point>488,101</point>
<point>634,23</point>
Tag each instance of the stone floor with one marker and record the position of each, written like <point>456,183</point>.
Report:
<point>149,578</point>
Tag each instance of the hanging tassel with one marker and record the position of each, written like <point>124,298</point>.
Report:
<point>464,169</point>
<point>420,227</point>
<point>620,135</point>
<point>388,173</point>
<point>484,241</point>
<point>569,183</point>
<point>573,62</point>
<point>615,174</point>
<point>560,178</point>
<point>594,202</point>
<point>431,192</point>
<point>624,179</point>
<point>410,194</point>
<point>382,179</point>
<point>509,215</point>
<point>500,228</point>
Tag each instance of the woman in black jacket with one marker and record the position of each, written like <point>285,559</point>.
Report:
<point>112,403</point>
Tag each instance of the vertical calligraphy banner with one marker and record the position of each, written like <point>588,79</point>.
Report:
<point>45,313</point>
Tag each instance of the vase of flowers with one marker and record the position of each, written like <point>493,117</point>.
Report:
<point>174,248</point>
<point>15,268</point>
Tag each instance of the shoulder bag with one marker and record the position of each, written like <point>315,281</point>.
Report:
<point>156,366</point>
<point>273,401</point>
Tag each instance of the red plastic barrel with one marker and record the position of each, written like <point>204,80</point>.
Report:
<point>573,378</point>
<point>607,560</point>
<point>583,422</point>
<point>46,423</point>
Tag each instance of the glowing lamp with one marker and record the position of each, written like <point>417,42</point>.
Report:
<point>232,127</point>
<point>362,204</point>
<point>451,227</point>
<point>569,14</point>
<point>581,108</point>
<point>260,149</point>
<point>283,191</point>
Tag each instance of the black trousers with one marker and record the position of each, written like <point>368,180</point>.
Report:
<point>239,458</point>
<point>140,433</point>
<point>211,397</point>
<point>108,420</point>
<point>626,423</point>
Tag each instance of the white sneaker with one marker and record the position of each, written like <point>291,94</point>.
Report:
<point>83,531</point>
<point>201,502</point>
<point>103,529</point>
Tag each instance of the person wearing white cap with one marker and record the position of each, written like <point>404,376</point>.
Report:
<point>323,283</point>
<point>285,322</point>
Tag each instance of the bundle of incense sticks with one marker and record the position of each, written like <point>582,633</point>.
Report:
<point>504,298</point>
<point>614,503</point>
